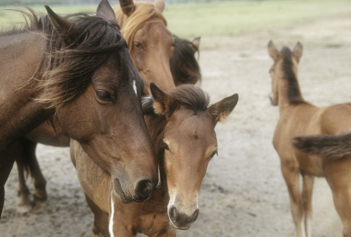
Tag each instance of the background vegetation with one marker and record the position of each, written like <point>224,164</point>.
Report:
<point>191,19</point>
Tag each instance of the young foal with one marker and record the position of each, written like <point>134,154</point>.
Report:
<point>181,126</point>
<point>300,118</point>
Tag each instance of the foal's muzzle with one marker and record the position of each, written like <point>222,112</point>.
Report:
<point>180,220</point>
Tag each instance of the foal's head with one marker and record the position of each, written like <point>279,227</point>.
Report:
<point>189,144</point>
<point>94,87</point>
<point>285,66</point>
<point>149,41</point>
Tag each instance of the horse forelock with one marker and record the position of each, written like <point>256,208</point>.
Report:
<point>69,68</point>
<point>191,97</point>
<point>142,14</point>
<point>184,53</point>
<point>293,88</point>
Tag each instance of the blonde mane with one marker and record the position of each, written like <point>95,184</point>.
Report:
<point>144,12</point>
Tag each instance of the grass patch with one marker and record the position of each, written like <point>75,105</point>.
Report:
<point>188,20</point>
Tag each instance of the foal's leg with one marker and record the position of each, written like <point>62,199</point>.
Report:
<point>291,175</point>
<point>100,226</point>
<point>339,179</point>
<point>308,182</point>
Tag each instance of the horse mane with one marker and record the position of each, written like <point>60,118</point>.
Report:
<point>184,54</point>
<point>69,68</point>
<point>32,23</point>
<point>143,12</point>
<point>189,96</point>
<point>293,91</point>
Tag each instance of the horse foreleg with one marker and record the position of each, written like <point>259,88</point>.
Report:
<point>308,182</point>
<point>100,226</point>
<point>339,179</point>
<point>291,175</point>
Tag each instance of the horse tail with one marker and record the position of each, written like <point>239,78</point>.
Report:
<point>27,158</point>
<point>331,146</point>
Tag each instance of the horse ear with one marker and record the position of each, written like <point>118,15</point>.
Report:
<point>105,10</point>
<point>63,26</point>
<point>127,6</point>
<point>297,51</point>
<point>272,50</point>
<point>159,4</point>
<point>223,108</point>
<point>164,104</point>
<point>196,43</point>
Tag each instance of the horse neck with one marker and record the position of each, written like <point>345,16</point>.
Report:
<point>289,92</point>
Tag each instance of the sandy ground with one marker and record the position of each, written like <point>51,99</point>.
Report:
<point>243,193</point>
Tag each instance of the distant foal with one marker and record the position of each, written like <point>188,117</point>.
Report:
<point>300,118</point>
<point>181,126</point>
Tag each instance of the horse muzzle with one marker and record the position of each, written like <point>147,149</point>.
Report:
<point>180,220</point>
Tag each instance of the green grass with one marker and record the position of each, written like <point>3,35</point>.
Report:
<point>189,20</point>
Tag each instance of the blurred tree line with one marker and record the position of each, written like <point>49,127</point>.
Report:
<point>48,2</point>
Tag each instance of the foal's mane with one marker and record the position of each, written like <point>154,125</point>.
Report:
<point>68,68</point>
<point>143,12</point>
<point>184,53</point>
<point>293,91</point>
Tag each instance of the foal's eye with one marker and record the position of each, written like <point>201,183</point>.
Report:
<point>165,146</point>
<point>103,95</point>
<point>213,154</point>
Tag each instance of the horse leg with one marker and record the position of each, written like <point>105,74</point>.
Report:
<point>40,194</point>
<point>339,179</point>
<point>100,226</point>
<point>24,203</point>
<point>291,175</point>
<point>308,182</point>
<point>7,158</point>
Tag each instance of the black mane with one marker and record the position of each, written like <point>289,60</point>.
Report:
<point>293,90</point>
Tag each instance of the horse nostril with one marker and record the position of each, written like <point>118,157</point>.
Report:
<point>143,189</point>
<point>174,214</point>
<point>195,215</point>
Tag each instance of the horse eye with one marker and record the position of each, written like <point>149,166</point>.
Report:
<point>165,146</point>
<point>103,95</point>
<point>137,44</point>
<point>213,154</point>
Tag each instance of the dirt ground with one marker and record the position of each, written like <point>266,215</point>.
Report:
<point>243,193</point>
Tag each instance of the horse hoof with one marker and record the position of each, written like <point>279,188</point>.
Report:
<point>24,209</point>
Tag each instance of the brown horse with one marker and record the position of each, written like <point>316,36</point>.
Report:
<point>181,126</point>
<point>301,118</point>
<point>78,70</point>
<point>182,65</point>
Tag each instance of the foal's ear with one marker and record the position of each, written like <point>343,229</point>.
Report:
<point>297,51</point>
<point>196,43</point>
<point>159,4</point>
<point>105,10</point>
<point>164,104</point>
<point>223,108</point>
<point>273,51</point>
<point>63,26</point>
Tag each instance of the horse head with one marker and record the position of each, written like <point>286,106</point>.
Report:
<point>149,41</point>
<point>95,89</point>
<point>189,144</point>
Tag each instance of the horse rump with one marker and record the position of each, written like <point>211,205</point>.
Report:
<point>331,146</point>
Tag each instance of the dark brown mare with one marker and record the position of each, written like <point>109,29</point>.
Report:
<point>181,126</point>
<point>301,118</point>
<point>79,71</point>
<point>183,66</point>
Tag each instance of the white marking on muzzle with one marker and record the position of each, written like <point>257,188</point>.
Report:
<point>110,224</point>
<point>134,87</point>
<point>159,178</point>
